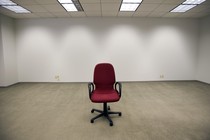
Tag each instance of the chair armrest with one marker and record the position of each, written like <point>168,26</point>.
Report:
<point>90,88</point>
<point>118,87</point>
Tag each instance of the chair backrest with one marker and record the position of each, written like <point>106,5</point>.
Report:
<point>104,76</point>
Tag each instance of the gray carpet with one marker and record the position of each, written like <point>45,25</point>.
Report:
<point>61,111</point>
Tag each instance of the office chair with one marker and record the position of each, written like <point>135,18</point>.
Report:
<point>104,89</point>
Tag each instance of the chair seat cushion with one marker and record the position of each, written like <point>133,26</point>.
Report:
<point>101,96</point>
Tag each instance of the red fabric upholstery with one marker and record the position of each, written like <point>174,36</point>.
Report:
<point>101,96</point>
<point>104,76</point>
<point>104,79</point>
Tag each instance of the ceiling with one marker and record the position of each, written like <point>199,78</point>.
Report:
<point>106,8</point>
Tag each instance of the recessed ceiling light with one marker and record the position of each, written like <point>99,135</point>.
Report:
<point>130,5</point>
<point>13,6</point>
<point>132,1</point>
<point>70,7</point>
<point>6,2</point>
<point>65,1</point>
<point>187,5</point>
<point>17,9</point>
<point>193,1</point>
<point>183,8</point>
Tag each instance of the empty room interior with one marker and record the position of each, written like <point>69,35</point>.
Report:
<point>104,69</point>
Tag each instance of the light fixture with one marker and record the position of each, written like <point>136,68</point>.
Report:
<point>183,8</point>
<point>71,5</point>
<point>187,5</point>
<point>193,1</point>
<point>132,1</point>
<point>65,1</point>
<point>8,4</point>
<point>130,5</point>
<point>17,9</point>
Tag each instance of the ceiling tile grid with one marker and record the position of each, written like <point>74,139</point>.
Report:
<point>106,8</point>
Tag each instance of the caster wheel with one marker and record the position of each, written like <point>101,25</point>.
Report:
<point>91,121</point>
<point>111,123</point>
<point>109,108</point>
<point>120,114</point>
<point>92,111</point>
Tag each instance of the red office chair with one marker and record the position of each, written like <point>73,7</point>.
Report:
<point>104,89</point>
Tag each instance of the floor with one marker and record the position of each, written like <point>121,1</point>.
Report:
<point>150,111</point>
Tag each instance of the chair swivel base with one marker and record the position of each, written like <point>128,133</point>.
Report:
<point>104,113</point>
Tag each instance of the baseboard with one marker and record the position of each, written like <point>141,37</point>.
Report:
<point>9,85</point>
<point>119,81</point>
<point>203,82</point>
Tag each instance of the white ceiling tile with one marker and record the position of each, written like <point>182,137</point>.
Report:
<point>24,15</point>
<point>17,16</point>
<point>77,14</point>
<point>110,7</point>
<point>125,14</point>
<point>172,14</point>
<point>90,1</point>
<point>61,14</point>
<point>156,14</point>
<point>147,7</point>
<point>141,14</point>
<point>173,1</point>
<point>93,14</point>
<point>35,8</point>
<point>193,15</point>
<point>165,7</point>
<point>111,1</point>
<point>4,10</point>
<point>44,15</point>
<point>207,2</point>
<point>109,14</point>
<point>47,1</point>
<point>54,8</point>
<point>25,2</point>
<point>199,8</point>
<point>153,1</point>
<point>31,15</point>
<point>91,7</point>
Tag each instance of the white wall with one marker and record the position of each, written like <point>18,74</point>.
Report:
<point>8,62</point>
<point>1,59</point>
<point>140,49</point>
<point>204,52</point>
